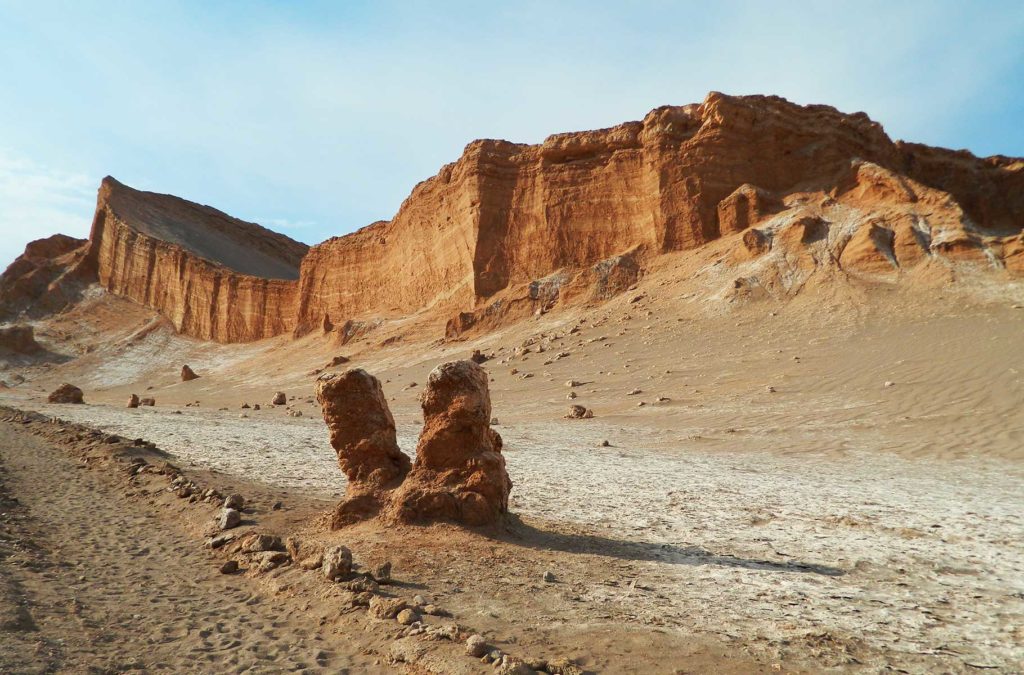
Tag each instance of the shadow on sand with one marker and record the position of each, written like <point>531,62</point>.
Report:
<point>522,534</point>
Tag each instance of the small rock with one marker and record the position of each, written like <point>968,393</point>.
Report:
<point>257,543</point>
<point>229,567</point>
<point>634,392</point>
<point>337,562</point>
<point>549,577</point>
<point>133,401</point>
<point>571,395</point>
<point>386,608</point>
<point>230,518</point>
<point>407,617</point>
<point>188,374</point>
<point>418,600</point>
<point>770,389</point>
<point>280,398</point>
<point>889,383</point>
<point>605,444</point>
<point>476,646</point>
<point>234,501</point>
<point>382,572</point>
<point>573,383</point>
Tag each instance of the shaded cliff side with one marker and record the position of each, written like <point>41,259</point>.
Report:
<point>797,192</point>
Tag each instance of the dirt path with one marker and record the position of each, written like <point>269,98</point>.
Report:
<point>90,582</point>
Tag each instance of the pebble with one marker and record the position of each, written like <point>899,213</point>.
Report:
<point>549,577</point>
<point>230,518</point>
<point>407,617</point>
<point>476,646</point>
<point>229,567</point>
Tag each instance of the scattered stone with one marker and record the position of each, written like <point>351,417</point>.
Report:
<point>386,608</point>
<point>246,406</point>
<point>280,398</point>
<point>549,577</point>
<point>307,554</point>
<point>294,413</point>
<point>382,572</point>
<point>494,421</point>
<point>234,501</point>
<point>229,567</point>
<point>578,412</point>
<point>476,646</point>
<point>258,543</point>
<point>564,666</point>
<point>230,518</point>
<point>271,559</point>
<point>362,585</point>
<point>605,444</point>
<point>133,401</point>
<point>573,383</point>
<point>634,392</point>
<point>337,361</point>
<point>337,563</point>
<point>255,406</point>
<point>152,402</point>
<point>663,399</point>
<point>571,395</point>
<point>188,374</point>
<point>889,383</point>
<point>66,393</point>
<point>770,389</point>
<point>407,617</point>
<point>478,357</point>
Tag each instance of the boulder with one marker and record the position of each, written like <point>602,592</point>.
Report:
<point>188,374</point>
<point>230,518</point>
<point>66,393</point>
<point>19,339</point>
<point>280,398</point>
<point>362,433</point>
<point>133,401</point>
<point>459,474</point>
<point>578,412</point>
<point>148,402</point>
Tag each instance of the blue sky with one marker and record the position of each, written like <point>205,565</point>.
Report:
<point>316,118</point>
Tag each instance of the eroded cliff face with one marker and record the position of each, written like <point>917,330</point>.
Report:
<point>215,277</point>
<point>795,192</point>
<point>42,279</point>
<point>511,229</point>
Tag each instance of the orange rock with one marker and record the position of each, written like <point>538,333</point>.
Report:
<point>66,393</point>
<point>362,434</point>
<point>188,374</point>
<point>459,474</point>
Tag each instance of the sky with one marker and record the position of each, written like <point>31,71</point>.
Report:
<point>317,118</point>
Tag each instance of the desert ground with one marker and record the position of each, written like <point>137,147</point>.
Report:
<point>826,484</point>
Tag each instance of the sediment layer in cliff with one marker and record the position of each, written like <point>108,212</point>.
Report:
<point>510,229</point>
<point>215,277</point>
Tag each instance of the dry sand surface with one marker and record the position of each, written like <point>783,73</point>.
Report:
<point>833,523</point>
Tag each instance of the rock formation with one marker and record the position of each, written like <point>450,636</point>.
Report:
<point>187,374</point>
<point>459,474</point>
<point>512,229</point>
<point>215,277</point>
<point>362,434</point>
<point>66,393</point>
<point>43,279</point>
<point>133,401</point>
<point>19,340</point>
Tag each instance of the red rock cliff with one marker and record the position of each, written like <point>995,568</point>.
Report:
<point>215,277</point>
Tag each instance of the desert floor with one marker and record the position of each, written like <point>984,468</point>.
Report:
<point>821,490</point>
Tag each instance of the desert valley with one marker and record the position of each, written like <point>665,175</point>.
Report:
<point>734,388</point>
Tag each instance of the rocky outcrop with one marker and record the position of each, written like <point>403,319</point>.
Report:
<point>362,434</point>
<point>66,393</point>
<point>215,277</point>
<point>510,230</point>
<point>19,340</point>
<point>459,474</point>
<point>43,279</point>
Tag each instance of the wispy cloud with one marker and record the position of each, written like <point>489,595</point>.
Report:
<point>37,201</point>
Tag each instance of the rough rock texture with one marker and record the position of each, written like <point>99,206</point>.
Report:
<point>510,229</point>
<point>215,277</point>
<point>363,436</point>
<point>19,339</point>
<point>459,474</point>
<point>133,401</point>
<point>66,393</point>
<point>42,279</point>
<point>187,374</point>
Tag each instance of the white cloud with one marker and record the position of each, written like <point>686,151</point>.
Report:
<point>38,201</point>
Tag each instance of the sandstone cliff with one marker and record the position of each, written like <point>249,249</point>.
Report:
<point>41,279</point>
<point>215,277</point>
<point>795,192</point>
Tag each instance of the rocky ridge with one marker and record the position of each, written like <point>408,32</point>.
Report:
<point>794,192</point>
